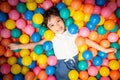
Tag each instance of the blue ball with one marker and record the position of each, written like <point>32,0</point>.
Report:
<point>47,46</point>
<point>19,61</point>
<point>39,10</point>
<point>60,5</point>
<point>38,49</point>
<point>32,65</point>
<point>87,55</point>
<point>73,29</point>
<point>50,70</point>
<point>100,2</point>
<point>94,19</point>
<point>97,61</point>
<point>36,37</point>
<point>3,17</point>
<point>90,26</point>
<point>28,15</point>
<point>18,77</point>
<point>102,54</point>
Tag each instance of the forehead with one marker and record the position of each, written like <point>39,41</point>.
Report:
<point>53,17</point>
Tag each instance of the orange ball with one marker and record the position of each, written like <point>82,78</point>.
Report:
<point>83,75</point>
<point>43,66</point>
<point>8,77</point>
<point>3,60</point>
<point>114,75</point>
<point>30,75</point>
<point>2,50</point>
<point>93,35</point>
<point>5,7</point>
<point>5,41</point>
<point>88,8</point>
<point>42,75</point>
<point>55,1</point>
<point>8,53</point>
<point>76,4</point>
<point>109,24</point>
<point>80,41</point>
<point>94,51</point>
<point>111,56</point>
<point>105,43</point>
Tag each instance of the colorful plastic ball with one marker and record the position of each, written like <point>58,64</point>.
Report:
<point>104,78</point>
<point>100,2</point>
<point>5,33</point>
<point>92,71</point>
<point>94,19</point>
<point>106,12</point>
<point>50,70</point>
<point>114,74</point>
<point>38,49</point>
<point>90,2</point>
<point>88,8</point>
<point>20,23</point>
<point>24,39</point>
<point>84,32</point>
<point>83,75</point>
<point>78,16</point>
<point>18,77</point>
<point>5,68</point>
<point>26,60</point>
<point>114,65</point>
<point>12,60</point>
<point>101,30</point>
<point>8,53</point>
<point>19,61</point>
<point>21,7</point>
<point>117,55</point>
<point>14,15</point>
<point>24,70</point>
<point>39,1</point>
<point>64,13</point>
<point>102,20</point>
<point>42,30</point>
<point>3,17</point>
<point>76,4</point>
<point>31,6</point>
<point>83,65</point>
<point>73,29</point>
<point>60,5</point>
<point>97,61</point>
<point>73,75</point>
<point>42,75</point>
<point>36,37</point>
<point>8,76</point>
<point>112,37</point>
<point>80,41</point>
<point>102,54</point>
<point>15,69</point>
<point>2,60</point>
<point>10,24</point>
<point>32,65</point>
<point>29,76</point>
<point>92,78</point>
<point>87,55</point>
<point>115,28</point>
<point>28,15</point>
<point>29,29</point>
<point>55,1</point>
<point>52,60</point>
<point>5,7</point>
<point>15,33</point>
<point>105,43</point>
<point>51,78</point>
<point>50,53</point>
<point>93,35</point>
<point>112,5</point>
<point>117,12</point>
<point>105,62</point>
<point>109,24</point>
<point>34,56</point>
<point>47,4</point>
<point>39,10</point>
<point>37,18</point>
<point>90,26</point>
<point>24,52</point>
<point>47,46</point>
<point>67,2</point>
<point>36,70</point>
<point>104,71</point>
<point>43,66</point>
<point>42,59</point>
<point>48,35</point>
<point>13,2</point>
<point>68,22</point>
<point>23,1</point>
<point>97,9</point>
<point>115,45</point>
<point>36,25</point>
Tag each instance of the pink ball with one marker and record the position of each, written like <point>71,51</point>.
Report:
<point>29,29</point>
<point>36,70</point>
<point>47,4</point>
<point>89,63</point>
<point>90,2</point>
<point>112,37</point>
<point>105,62</point>
<point>51,78</point>
<point>1,27</point>
<point>112,5</point>
<point>23,1</point>
<point>52,60</point>
<point>106,12</point>
<point>5,33</point>
<point>5,68</point>
<point>104,78</point>
<point>97,10</point>
<point>92,70</point>
<point>20,23</point>
<point>84,32</point>
<point>118,3</point>
<point>14,15</point>
<point>13,2</point>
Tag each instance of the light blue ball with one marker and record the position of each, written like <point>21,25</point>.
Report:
<point>36,37</point>
<point>47,46</point>
<point>73,29</point>
<point>50,70</point>
<point>87,55</point>
<point>97,61</point>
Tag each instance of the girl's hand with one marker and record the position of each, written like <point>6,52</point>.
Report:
<point>111,50</point>
<point>12,46</point>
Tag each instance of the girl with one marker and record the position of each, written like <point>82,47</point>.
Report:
<point>64,45</point>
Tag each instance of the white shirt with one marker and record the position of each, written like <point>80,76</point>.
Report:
<point>64,45</point>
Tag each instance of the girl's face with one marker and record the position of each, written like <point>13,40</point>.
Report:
<point>56,24</point>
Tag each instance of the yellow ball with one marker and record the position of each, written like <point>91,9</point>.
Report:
<point>79,24</point>
<point>24,70</point>
<point>12,60</point>
<point>82,48</point>
<point>118,32</point>
<point>24,52</point>
<point>24,39</point>
<point>67,2</point>
<point>37,18</point>
<point>87,17</point>
<point>80,57</point>
<point>39,1</point>
<point>102,20</point>
<point>33,55</point>
<point>26,60</point>
<point>114,65</point>
<point>10,24</point>
<point>73,75</point>
<point>78,16</point>
<point>31,6</point>
<point>92,78</point>
<point>15,69</point>
<point>104,71</point>
<point>48,35</point>
<point>72,11</point>
<point>42,59</point>
<point>29,0</point>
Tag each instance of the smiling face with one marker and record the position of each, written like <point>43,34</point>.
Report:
<point>56,24</point>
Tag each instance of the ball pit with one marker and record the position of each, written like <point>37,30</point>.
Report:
<point>21,22</point>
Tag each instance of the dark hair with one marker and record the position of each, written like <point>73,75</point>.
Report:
<point>48,13</point>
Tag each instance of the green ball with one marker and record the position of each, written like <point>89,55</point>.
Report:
<point>117,55</point>
<point>15,33</point>
<point>50,53</point>
<point>36,25</point>
<point>115,28</point>
<point>69,21</point>
<point>38,49</point>
<point>117,12</point>
<point>21,7</point>
<point>83,65</point>
<point>98,76</point>
<point>64,13</point>
<point>42,30</point>
<point>101,30</point>
<point>115,45</point>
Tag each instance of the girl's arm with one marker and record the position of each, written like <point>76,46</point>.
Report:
<point>98,47</point>
<point>14,46</point>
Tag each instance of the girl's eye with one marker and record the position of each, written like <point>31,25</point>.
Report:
<point>51,25</point>
<point>58,20</point>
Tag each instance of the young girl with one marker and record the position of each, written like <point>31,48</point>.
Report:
<point>64,45</point>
